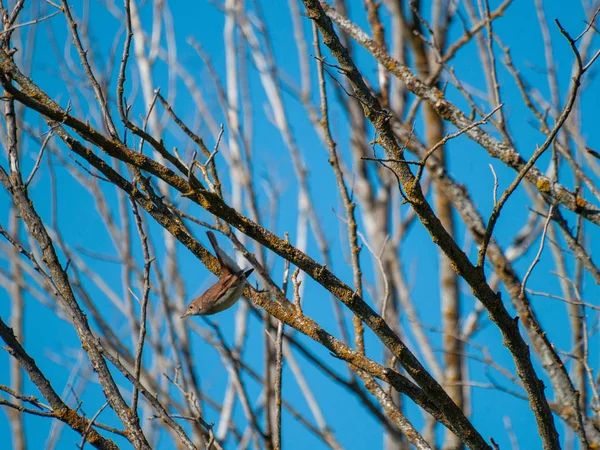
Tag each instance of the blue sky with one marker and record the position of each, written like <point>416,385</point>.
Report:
<point>51,341</point>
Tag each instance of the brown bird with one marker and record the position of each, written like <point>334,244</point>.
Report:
<point>225,292</point>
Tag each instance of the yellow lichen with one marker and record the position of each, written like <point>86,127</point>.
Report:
<point>543,185</point>
<point>581,203</point>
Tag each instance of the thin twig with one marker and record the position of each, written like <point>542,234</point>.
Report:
<point>39,158</point>
<point>144,302</point>
<point>539,253</point>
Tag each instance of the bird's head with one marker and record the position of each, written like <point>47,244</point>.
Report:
<point>193,309</point>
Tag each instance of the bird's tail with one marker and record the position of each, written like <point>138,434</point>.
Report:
<point>226,262</point>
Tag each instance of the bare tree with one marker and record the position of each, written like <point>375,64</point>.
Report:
<point>128,133</point>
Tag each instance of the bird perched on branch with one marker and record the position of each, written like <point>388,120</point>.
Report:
<point>225,292</point>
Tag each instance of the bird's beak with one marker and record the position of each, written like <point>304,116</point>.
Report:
<point>185,315</point>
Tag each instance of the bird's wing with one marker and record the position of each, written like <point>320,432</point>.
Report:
<point>218,289</point>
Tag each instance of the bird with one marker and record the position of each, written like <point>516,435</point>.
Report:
<point>226,291</point>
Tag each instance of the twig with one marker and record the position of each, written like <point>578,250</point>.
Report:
<point>90,424</point>
<point>42,383</point>
<point>349,205</point>
<point>208,162</point>
<point>278,385</point>
<point>88,71</point>
<point>495,194</point>
<point>147,118</point>
<point>296,283</point>
<point>144,303</point>
<point>452,136</point>
<point>539,253</point>
<point>39,158</point>
<point>31,22</point>
<point>538,152</point>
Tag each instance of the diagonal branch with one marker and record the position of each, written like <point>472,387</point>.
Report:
<point>474,277</point>
<point>448,111</point>
<point>61,411</point>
